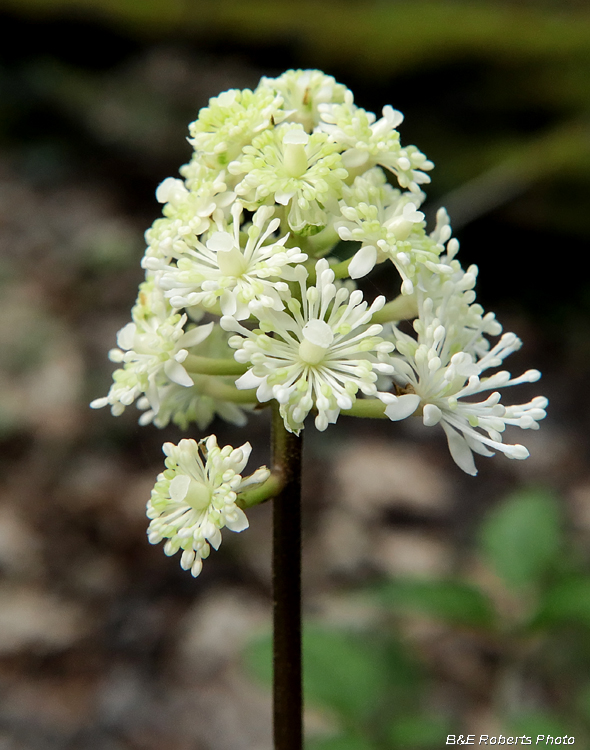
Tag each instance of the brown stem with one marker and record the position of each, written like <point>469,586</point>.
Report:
<point>286,584</point>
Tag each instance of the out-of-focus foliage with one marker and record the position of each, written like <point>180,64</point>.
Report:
<point>521,539</point>
<point>382,35</point>
<point>526,613</point>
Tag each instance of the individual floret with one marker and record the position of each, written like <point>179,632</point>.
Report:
<point>195,497</point>
<point>302,91</point>
<point>152,347</point>
<point>200,403</point>
<point>367,142</point>
<point>435,377</point>
<point>288,166</point>
<point>389,226</point>
<point>319,354</point>
<point>230,121</point>
<point>187,215</point>
<point>226,270</point>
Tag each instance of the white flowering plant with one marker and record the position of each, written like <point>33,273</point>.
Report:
<point>245,301</point>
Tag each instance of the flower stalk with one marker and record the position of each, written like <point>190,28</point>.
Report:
<point>286,586</point>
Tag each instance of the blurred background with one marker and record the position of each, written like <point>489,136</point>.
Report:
<point>435,603</point>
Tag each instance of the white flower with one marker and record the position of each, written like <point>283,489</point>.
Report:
<point>295,169</point>
<point>389,225</point>
<point>187,214</point>
<point>153,348</point>
<point>194,404</point>
<point>453,300</point>
<point>222,270</point>
<point>196,497</point>
<point>302,92</point>
<point>230,122</point>
<point>367,142</point>
<point>318,355</point>
<point>434,375</point>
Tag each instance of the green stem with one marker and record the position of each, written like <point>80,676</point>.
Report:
<point>323,242</point>
<point>286,580</point>
<point>403,307</point>
<point>266,491</point>
<point>370,408</point>
<point>341,269</point>
<point>208,366</point>
<point>210,386</point>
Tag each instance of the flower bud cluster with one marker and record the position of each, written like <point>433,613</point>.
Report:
<point>245,300</point>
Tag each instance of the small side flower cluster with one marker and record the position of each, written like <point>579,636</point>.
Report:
<point>245,300</point>
<point>196,496</point>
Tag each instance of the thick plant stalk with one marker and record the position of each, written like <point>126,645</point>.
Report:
<point>286,584</point>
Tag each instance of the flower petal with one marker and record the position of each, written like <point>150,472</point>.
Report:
<point>239,523</point>
<point>195,336</point>
<point>126,336</point>
<point>460,450</point>
<point>248,380</point>
<point>227,302</point>
<point>431,415</point>
<point>363,262</point>
<point>177,374</point>
<point>402,407</point>
<point>179,487</point>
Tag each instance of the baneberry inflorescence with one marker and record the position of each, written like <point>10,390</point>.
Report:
<point>245,301</point>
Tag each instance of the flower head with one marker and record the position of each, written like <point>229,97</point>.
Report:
<point>188,213</point>
<point>318,354</point>
<point>230,122</point>
<point>195,497</point>
<point>367,141</point>
<point>152,347</point>
<point>388,224</point>
<point>227,270</point>
<point>302,91</point>
<point>440,373</point>
<point>294,169</point>
<point>199,403</point>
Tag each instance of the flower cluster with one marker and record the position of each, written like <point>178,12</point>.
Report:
<point>245,300</point>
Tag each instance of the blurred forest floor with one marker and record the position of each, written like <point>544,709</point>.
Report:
<point>105,644</point>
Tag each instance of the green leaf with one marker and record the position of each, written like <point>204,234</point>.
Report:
<point>567,602</point>
<point>521,538</point>
<point>342,672</point>
<point>451,601</point>
<point>258,658</point>
<point>418,732</point>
